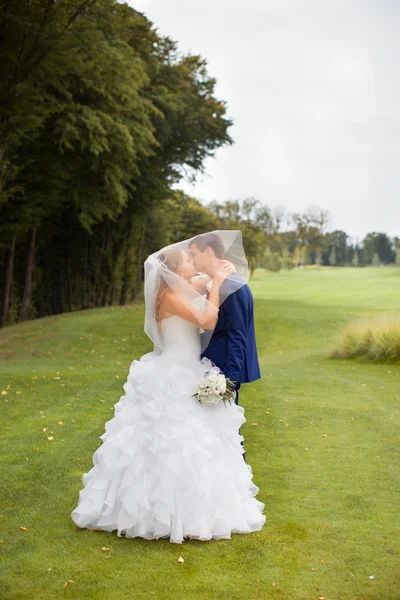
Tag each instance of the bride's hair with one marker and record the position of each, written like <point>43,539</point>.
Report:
<point>171,260</point>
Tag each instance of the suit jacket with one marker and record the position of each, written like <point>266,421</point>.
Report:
<point>232,346</point>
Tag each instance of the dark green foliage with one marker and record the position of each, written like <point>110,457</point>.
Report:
<point>99,117</point>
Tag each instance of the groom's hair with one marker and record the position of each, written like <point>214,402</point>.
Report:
<point>209,240</point>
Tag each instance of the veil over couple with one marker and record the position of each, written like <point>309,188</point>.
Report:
<point>170,466</point>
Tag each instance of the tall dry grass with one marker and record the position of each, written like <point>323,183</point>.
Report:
<point>370,338</point>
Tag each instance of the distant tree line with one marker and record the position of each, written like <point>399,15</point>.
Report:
<point>275,239</point>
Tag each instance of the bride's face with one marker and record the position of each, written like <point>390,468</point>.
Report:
<point>187,267</point>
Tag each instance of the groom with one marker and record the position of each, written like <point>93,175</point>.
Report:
<point>232,346</point>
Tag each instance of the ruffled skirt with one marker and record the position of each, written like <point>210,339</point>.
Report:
<point>168,466</point>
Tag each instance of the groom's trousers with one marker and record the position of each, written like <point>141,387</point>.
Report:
<point>237,387</point>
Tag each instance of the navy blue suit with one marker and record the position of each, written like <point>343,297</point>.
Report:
<point>232,346</point>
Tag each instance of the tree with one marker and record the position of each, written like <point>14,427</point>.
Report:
<point>332,257</point>
<point>271,260</point>
<point>29,33</point>
<point>304,257</point>
<point>338,240</point>
<point>310,228</point>
<point>380,244</point>
<point>287,262</point>
<point>398,257</point>
<point>297,256</point>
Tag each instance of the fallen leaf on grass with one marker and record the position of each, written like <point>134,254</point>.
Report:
<point>60,423</point>
<point>50,438</point>
<point>181,560</point>
<point>67,582</point>
<point>105,549</point>
<point>3,393</point>
<point>49,569</point>
<point>324,435</point>
<point>23,528</point>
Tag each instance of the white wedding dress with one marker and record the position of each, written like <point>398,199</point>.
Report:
<point>169,466</point>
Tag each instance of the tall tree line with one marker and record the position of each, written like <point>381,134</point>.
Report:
<point>100,116</point>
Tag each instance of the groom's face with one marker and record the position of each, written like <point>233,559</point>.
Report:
<point>202,260</point>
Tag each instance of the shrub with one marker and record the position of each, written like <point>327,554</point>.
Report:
<point>370,338</point>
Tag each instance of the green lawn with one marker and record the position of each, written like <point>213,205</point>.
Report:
<point>321,435</point>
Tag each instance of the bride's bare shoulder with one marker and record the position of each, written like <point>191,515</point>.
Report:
<point>165,305</point>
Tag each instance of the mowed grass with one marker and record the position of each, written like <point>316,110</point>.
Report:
<point>322,437</point>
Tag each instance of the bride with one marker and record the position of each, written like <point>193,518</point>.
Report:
<point>170,467</point>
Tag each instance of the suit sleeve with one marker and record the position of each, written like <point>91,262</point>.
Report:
<point>235,307</point>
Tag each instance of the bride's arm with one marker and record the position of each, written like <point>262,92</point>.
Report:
<point>172,304</point>
<point>200,284</point>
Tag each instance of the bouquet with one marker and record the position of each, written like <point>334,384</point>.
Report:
<point>214,387</point>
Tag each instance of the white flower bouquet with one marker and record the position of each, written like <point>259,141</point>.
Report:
<point>214,387</point>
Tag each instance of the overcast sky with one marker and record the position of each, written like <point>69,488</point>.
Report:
<point>314,91</point>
